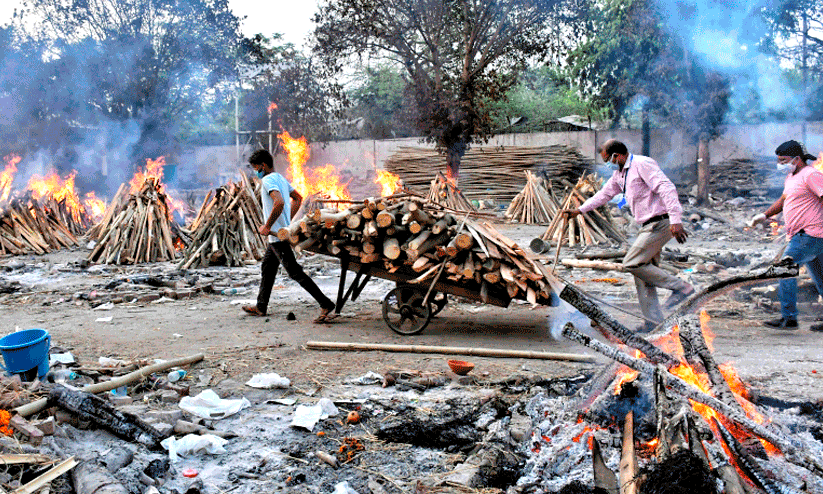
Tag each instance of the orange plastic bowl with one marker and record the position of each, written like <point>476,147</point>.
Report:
<point>460,367</point>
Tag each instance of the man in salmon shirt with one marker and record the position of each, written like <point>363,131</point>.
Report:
<point>653,201</point>
<point>802,207</point>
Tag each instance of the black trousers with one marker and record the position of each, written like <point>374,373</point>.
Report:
<point>280,253</point>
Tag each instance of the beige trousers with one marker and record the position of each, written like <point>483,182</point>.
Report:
<point>642,261</point>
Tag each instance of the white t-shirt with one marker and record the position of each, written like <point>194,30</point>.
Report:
<point>275,181</point>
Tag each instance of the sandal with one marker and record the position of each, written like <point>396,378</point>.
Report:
<point>325,316</point>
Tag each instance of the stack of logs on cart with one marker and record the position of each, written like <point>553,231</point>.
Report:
<point>402,233</point>
<point>445,193</point>
<point>733,424</point>
<point>225,232</point>
<point>137,227</point>
<point>586,229</point>
<point>29,226</point>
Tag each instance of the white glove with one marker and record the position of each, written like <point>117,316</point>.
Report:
<point>758,218</point>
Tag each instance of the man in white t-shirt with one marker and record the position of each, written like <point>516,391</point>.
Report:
<point>277,213</point>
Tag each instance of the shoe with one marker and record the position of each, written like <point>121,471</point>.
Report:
<point>817,328</point>
<point>253,310</point>
<point>782,323</point>
<point>676,298</point>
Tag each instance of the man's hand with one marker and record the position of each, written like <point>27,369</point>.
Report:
<point>679,232</point>
<point>571,213</point>
<point>758,218</point>
<point>264,230</point>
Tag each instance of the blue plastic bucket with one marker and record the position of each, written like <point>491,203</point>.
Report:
<point>26,350</point>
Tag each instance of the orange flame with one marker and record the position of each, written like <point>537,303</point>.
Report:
<point>325,180</point>
<point>271,108</point>
<point>708,334</point>
<point>775,226</point>
<point>7,176</point>
<point>154,169</point>
<point>95,206</point>
<point>625,375</point>
<point>61,190</point>
<point>388,181</point>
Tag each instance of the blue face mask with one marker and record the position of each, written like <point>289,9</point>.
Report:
<point>261,174</point>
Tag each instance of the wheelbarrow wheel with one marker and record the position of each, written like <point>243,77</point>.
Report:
<point>438,302</point>
<point>404,310</point>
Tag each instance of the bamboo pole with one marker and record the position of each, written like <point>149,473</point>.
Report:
<point>477,352</point>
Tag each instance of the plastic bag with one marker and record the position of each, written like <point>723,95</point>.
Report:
<point>268,381</point>
<point>210,406</point>
<point>307,416</point>
<point>192,444</point>
<point>344,488</point>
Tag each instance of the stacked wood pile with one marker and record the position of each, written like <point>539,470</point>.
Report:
<point>443,192</point>
<point>489,172</point>
<point>736,177</point>
<point>136,228</point>
<point>534,204</point>
<point>586,229</point>
<point>402,233</point>
<point>225,230</point>
<point>28,226</point>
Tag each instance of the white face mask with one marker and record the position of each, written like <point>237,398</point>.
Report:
<point>789,167</point>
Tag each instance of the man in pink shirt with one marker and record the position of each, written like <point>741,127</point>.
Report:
<point>653,201</point>
<point>802,207</point>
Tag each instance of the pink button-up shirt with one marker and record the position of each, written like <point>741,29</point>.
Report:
<point>803,206</point>
<point>648,191</point>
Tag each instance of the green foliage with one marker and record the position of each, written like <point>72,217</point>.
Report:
<point>379,102</point>
<point>541,95</point>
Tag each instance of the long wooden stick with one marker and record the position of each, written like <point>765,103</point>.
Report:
<point>452,350</point>
<point>36,406</point>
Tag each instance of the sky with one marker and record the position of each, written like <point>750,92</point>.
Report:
<point>290,18</point>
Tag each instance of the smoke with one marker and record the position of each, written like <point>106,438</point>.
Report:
<point>727,37</point>
<point>562,314</point>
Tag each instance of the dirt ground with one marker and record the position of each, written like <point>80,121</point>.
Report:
<point>58,293</point>
<point>784,363</point>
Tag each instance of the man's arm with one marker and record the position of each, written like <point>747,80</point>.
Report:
<point>276,211</point>
<point>604,195</point>
<point>296,200</point>
<point>773,210</point>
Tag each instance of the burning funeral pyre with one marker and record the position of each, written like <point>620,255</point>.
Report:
<point>138,225</point>
<point>225,230</point>
<point>671,396</point>
<point>49,215</point>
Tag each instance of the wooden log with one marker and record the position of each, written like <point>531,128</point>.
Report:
<point>628,458</point>
<point>592,264</point>
<point>604,478</point>
<point>477,352</point>
<point>391,248</point>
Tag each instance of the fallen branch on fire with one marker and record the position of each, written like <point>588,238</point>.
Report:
<point>450,350</point>
<point>136,228</point>
<point>793,452</point>
<point>224,232</point>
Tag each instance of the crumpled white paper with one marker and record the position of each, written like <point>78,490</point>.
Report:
<point>268,381</point>
<point>210,406</point>
<point>366,379</point>
<point>307,417</point>
<point>192,444</point>
<point>344,488</point>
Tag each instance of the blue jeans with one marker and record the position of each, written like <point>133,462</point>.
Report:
<point>806,250</point>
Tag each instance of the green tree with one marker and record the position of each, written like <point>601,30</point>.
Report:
<point>379,101</point>
<point>458,56</point>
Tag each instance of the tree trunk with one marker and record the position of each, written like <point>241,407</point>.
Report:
<point>703,163</point>
<point>646,132</point>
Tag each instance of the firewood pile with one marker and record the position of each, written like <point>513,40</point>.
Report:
<point>136,228</point>
<point>489,172</point>
<point>29,226</point>
<point>401,233</point>
<point>224,232</point>
<point>673,399</point>
<point>534,204</point>
<point>585,229</point>
<point>443,192</point>
<point>736,177</point>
